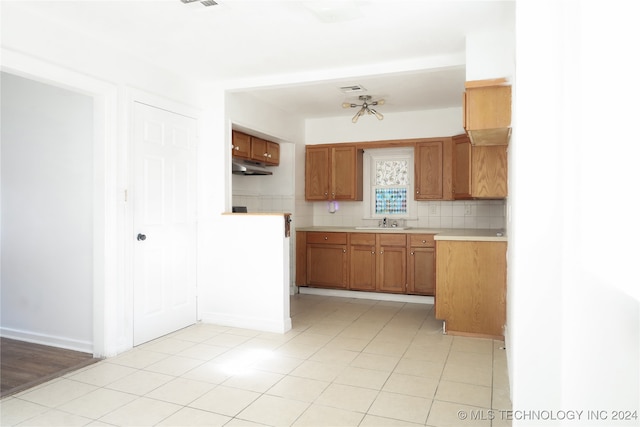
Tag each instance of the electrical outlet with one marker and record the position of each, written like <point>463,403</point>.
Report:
<point>467,209</point>
<point>433,210</point>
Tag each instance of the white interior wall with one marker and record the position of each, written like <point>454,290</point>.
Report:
<point>251,288</point>
<point>47,217</point>
<point>490,55</point>
<point>573,300</point>
<point>109,76</point>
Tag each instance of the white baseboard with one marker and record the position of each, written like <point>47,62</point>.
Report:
<point>50,340</point>
<point>265,325</point>
<point>378,296</point>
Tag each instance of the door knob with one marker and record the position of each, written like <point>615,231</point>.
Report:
<point>141,237</point>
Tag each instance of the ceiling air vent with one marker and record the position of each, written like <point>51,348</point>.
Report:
<point>352,89</point>
<point>202,2</point>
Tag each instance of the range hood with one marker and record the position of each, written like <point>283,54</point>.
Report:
<point>247,167</point>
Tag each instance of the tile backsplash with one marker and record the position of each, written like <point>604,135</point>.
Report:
<point>432,214</point>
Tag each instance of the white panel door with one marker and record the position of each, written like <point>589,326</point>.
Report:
<point>164,215</point>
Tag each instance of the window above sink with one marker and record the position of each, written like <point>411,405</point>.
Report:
<point>388,179</point>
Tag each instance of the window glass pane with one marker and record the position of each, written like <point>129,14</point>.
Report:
<point>391,200</point>
<point>392,172</point>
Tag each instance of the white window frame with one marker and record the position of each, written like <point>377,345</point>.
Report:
<point>370,157</point>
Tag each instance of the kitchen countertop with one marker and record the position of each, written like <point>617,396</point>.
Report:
<point>462,234</point>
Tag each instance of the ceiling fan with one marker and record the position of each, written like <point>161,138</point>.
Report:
<point>365,107</point>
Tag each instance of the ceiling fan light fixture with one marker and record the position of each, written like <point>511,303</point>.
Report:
<point>358,114</point>
<point>366,102</point>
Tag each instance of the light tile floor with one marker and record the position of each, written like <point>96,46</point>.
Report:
<point>346,362</point>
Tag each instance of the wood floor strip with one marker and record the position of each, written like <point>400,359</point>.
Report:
<point>24,365</point>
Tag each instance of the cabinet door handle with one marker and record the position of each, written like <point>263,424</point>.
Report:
<point>412,253</point>
<point>381,252</point>
<point>344,251</point>
<point>326,238</point>
<point>424,241</point>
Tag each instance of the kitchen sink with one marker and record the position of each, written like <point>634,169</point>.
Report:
<point>372,227</point>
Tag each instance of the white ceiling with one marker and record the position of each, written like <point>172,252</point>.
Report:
<point>297,54</point>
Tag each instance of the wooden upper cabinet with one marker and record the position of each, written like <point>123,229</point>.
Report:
<point>428,170</point>
<point>333,173</point>
<point>249,147</point>
<point>461,165</point>
<point>489,171</point>
<point>487,111</point>
<point>273,151</point>
<point>346,173</point>
<point>265,151</point>
<point>316,179</point>
<point>241,145</point>
<point>479,171</point>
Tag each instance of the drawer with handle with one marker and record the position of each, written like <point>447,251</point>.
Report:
<point>421,240</point>
<point>329,238</point>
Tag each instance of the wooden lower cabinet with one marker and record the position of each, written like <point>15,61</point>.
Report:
<point>471,279</point>
<point>326,260</point>
<point>421,264</point>
<point>391,265</point>
<point>373,262</point>
<point>378,262</point>
<point>362,261</point>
